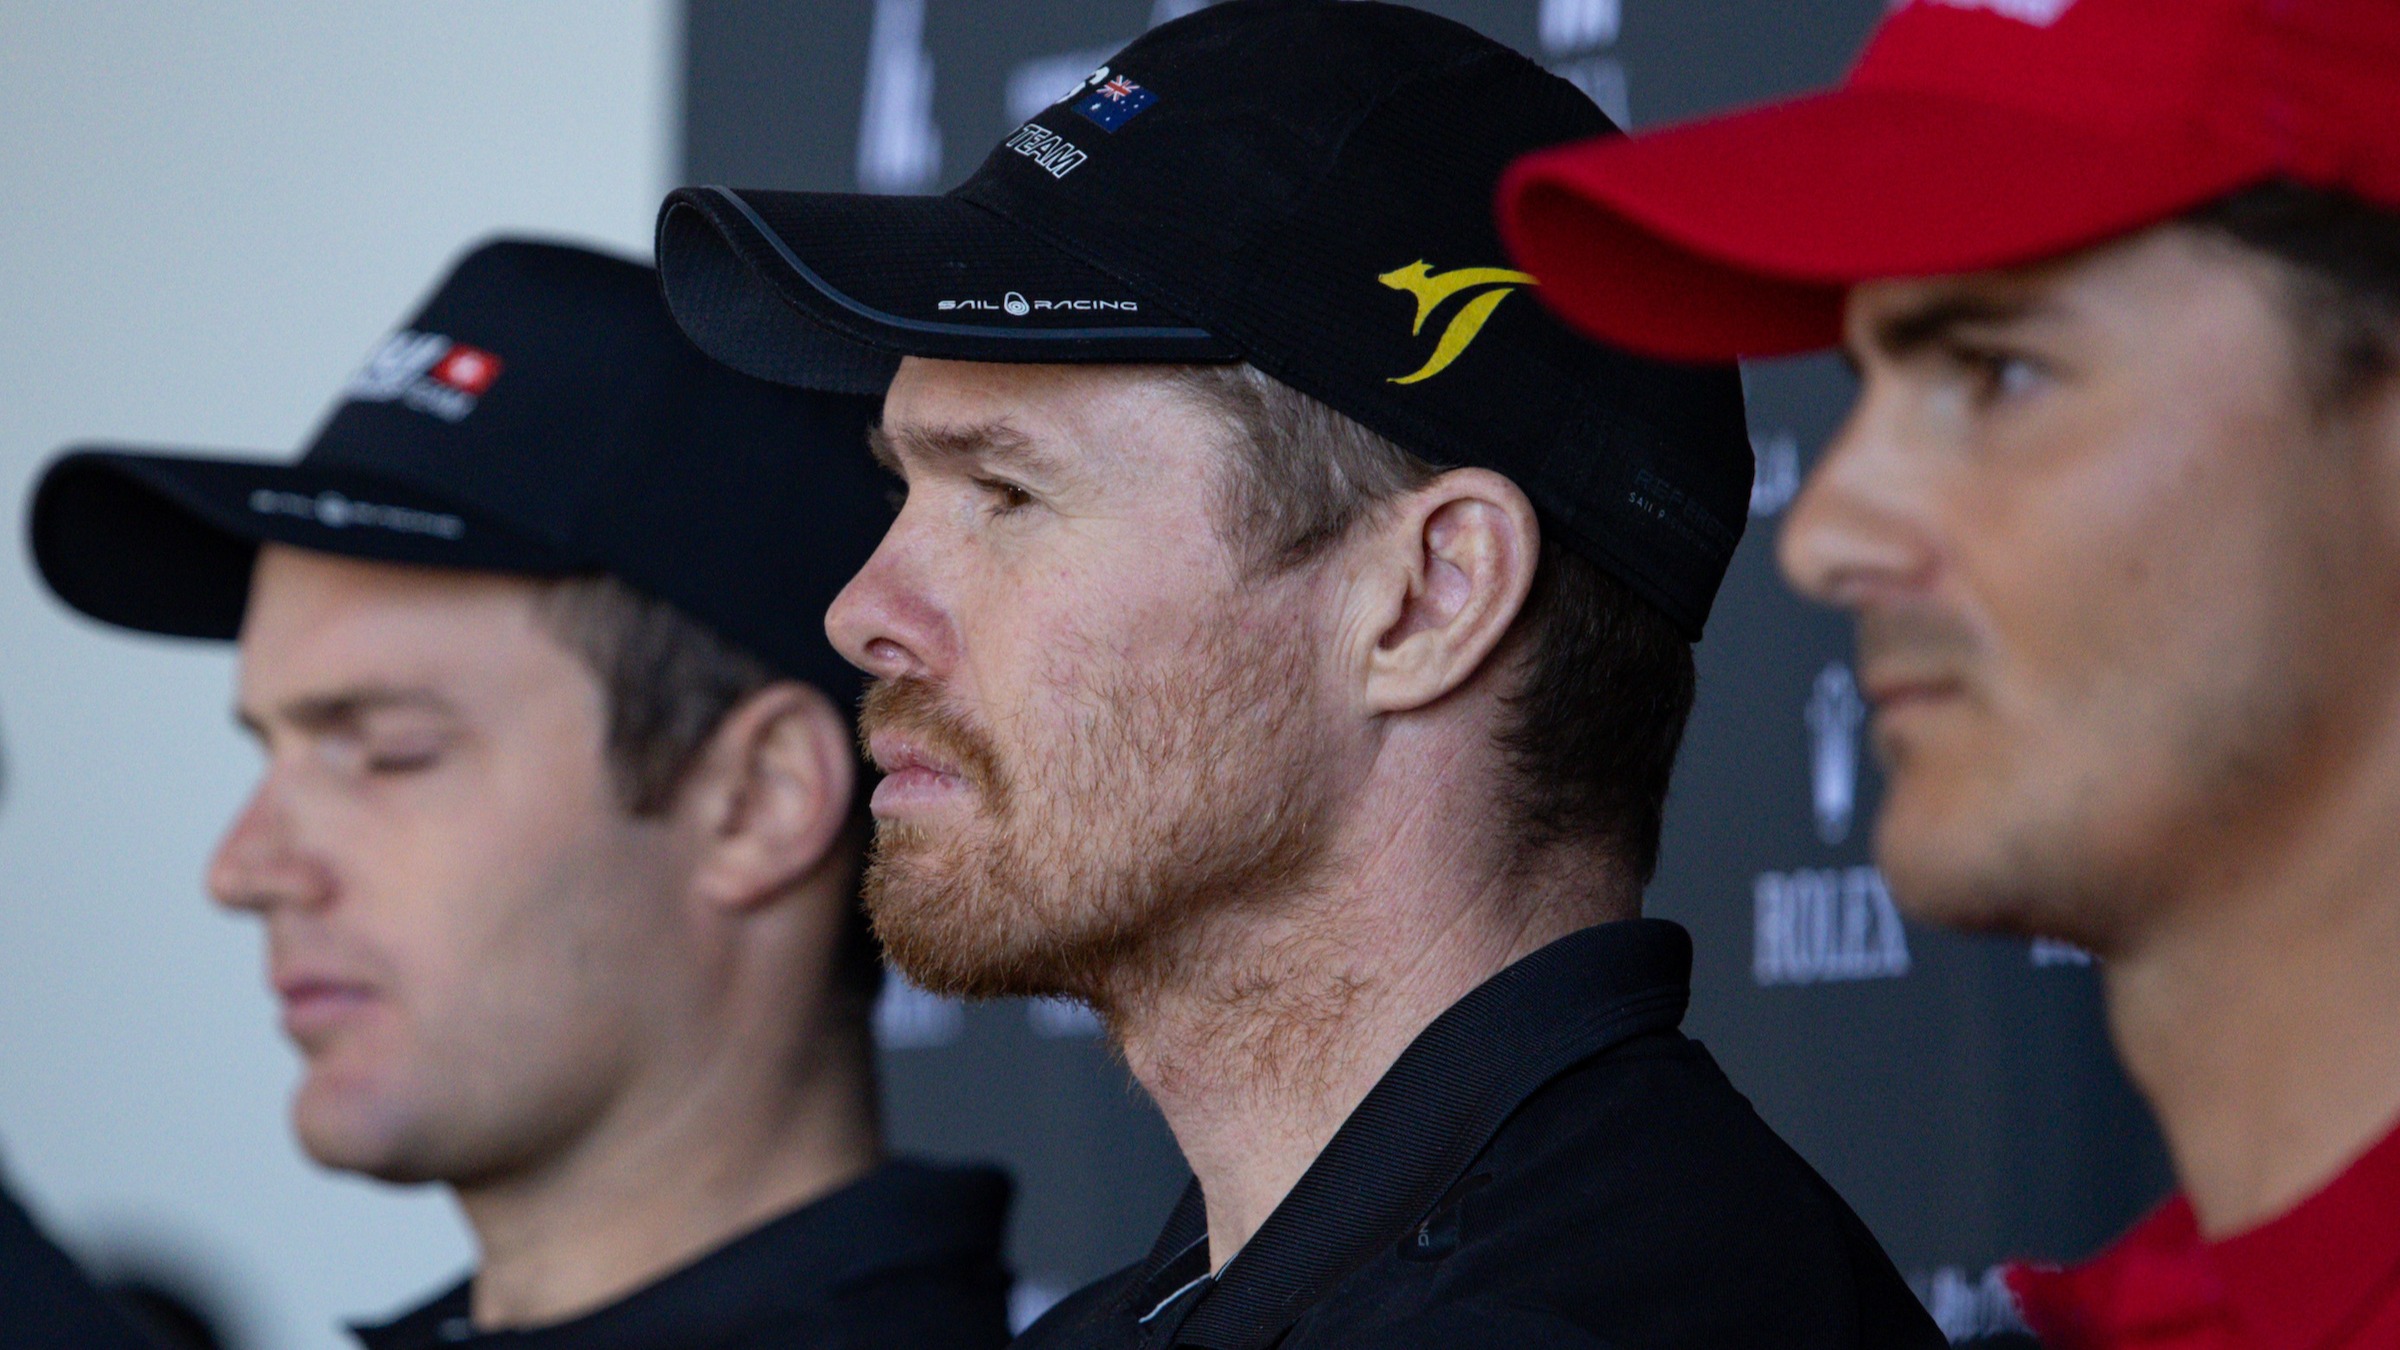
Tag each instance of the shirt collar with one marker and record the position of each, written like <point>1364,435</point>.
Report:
<point>901,1214</point>
<point>2295,1282</point>
<point>2339,1250</point>
<point>1419,1128</point>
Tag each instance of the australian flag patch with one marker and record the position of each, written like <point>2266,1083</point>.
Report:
<point>1114,102</point>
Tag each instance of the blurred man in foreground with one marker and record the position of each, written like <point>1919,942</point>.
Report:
<point>2118,512</point>
<point>555,849</point>
<point>1284,647</point>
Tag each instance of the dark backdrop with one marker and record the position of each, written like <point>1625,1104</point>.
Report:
<point>1959,1091</point>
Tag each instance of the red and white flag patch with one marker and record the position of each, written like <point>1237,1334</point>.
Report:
<point>468,369</point>
<point>427,372</point>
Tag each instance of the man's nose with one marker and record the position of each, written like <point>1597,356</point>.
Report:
<point>1854,532</point>
<point>886,621</point>
<point>259,865</point>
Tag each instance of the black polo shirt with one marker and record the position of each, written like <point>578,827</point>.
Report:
<point>906,1256</point>
<point>46,1299</point>
<point>1551,1163</point>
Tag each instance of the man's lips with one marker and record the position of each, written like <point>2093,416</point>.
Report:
<point>1890,692</point>
<point>913,777</point>
<point>315,1004</point>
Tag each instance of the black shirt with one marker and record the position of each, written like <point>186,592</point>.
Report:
<point>906,1256</point>
<point>46,1299</point>
<point>1551,1163</point>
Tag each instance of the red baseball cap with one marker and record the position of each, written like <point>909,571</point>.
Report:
<point>1973,134</point>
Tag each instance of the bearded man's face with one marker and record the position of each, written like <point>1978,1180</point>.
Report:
<point>1097,726</point>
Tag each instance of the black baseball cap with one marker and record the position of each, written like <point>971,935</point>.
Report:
<point>1305,185</point>
<point>539,415</point>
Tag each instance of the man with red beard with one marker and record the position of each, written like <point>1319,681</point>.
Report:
<point>1283,648</point>
<point>2118,512</point>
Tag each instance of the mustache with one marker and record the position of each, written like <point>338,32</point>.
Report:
<point>1915,636</point>
<point>914,707</point>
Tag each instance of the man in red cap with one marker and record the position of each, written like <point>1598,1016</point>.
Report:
<point>2118,513</point>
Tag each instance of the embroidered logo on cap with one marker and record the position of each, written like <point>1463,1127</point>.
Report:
<point>1016,306</point>
<point>335,511</point>
<point>427,372</point>
<point>468,369</point>
<point>1050,152</point>
<point>1114,102</point>
<point>1432,288</point>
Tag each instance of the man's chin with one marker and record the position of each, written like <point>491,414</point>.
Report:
<point>962,932</point>
<point>976,978</point>
<point>1943,896</point>
<point>347,1127</point>
<point>1955,871</point>
<point>948,954</point>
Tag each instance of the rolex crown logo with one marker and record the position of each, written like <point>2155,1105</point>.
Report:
<point>1432,289</point>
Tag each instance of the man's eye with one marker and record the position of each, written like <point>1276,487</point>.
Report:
<point>362,757</point>
<point>379,759</point>
<point>2003,375</point>
<point>2016,375</point>
<point>1005,496</point>
<point>406,759</point>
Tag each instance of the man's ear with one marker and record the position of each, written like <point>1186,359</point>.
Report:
<point>1448,571</point>
<point>771,794</point>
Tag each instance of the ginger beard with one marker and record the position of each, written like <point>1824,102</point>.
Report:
<point>1156,799</point>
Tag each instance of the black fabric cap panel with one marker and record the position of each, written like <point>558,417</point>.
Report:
<point>730,300</point>
<point>772,504</point>
<point>540,414</point>
<point>1310,183</point>
<point>872,278</point>
<point>1348,291</point>
<point>165,543</point>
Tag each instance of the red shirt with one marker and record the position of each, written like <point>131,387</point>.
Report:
<point>2323,1276</point>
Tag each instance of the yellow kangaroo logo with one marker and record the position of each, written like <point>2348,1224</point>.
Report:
<point>1431,288</point>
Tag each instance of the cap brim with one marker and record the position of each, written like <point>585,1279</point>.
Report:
<point>1740,235</point>
<point>829,290</point>
<point>164,543</point>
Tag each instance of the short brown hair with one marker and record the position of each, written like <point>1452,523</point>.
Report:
<point>1608,680</point>
<point>2341,257</point>
<point>667,682</point>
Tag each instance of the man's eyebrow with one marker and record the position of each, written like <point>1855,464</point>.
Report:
<point>1938,318</point>
<point>342,709</point>
<point>988,442</point>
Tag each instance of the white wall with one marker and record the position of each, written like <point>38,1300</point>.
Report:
<point>208,213</point>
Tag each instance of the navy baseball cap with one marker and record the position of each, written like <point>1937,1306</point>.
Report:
<point>540,415</point>
<point>1305,185</point>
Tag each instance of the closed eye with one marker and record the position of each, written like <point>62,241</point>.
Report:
<point>380,754</point>
<point>413,759</point>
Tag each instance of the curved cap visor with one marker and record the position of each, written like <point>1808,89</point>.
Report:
<point>164,543</point>
<point>829,290</point>
<point>1740,235</point>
